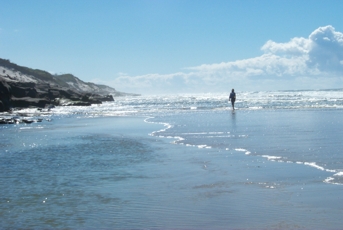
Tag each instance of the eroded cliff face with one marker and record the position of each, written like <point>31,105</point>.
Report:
<point>22,87</point>
<point>21,95</point>
<point>5,96</point>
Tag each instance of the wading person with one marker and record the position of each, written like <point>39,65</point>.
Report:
<point>232,98</point>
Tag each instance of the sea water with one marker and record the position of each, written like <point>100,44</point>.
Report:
<point>308,137</point>
<point>181,161</point>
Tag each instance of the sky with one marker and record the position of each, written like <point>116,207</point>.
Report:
<point>179,46</point>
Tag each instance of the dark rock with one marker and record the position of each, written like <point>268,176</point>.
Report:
<point>103,98</point>
<point>26,102</point>
<point>41,89</point>
<point>7,120</point>
<point>19,120</point>
<point>26,121</point>
<point>23,95</point>
<point>20,90</point>
<point>5,96</point>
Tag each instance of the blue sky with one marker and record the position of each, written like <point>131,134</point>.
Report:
<point>180,46</point>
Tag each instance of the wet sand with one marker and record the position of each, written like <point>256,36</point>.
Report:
<point>111,174</point>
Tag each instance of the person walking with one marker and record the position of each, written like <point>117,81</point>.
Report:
<point>232,98</point>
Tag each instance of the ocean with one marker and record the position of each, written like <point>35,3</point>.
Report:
<point>177,162</point>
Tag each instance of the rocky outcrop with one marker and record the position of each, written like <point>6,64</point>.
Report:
<point>18,120</point>
<point>5,96</point>
<point>24,95</point>
<point>22,87</point>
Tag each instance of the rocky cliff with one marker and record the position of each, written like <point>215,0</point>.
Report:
<point>22,87</point>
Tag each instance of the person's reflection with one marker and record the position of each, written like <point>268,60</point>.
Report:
<point>233,121</point>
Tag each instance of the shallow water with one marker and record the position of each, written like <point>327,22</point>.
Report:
<point>270,168</point>
<point>86,173</point>
<point>57,176</point>
<point>308,137</point>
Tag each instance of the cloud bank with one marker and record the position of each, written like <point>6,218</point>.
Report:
<point>315,62</point>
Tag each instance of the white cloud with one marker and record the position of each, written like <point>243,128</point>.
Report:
<point>326,51</point>
<point>265,66</point>
<point>297,46</point>
<point>313,62</point>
